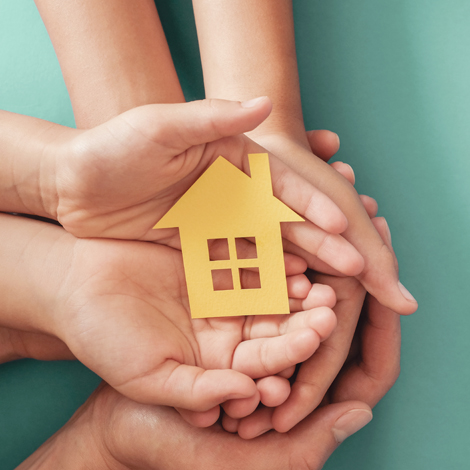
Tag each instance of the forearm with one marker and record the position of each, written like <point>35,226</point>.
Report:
<point>27,179</point>
<point>113,55</point>
<point>34,260</point>
<point>248,50</point>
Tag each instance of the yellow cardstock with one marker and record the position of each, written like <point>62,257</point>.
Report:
<point>225,203</point>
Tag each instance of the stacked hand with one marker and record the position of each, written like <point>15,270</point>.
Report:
<point>379,275</point>
<point>113,432</point>
<point>121,308</point>
<point>118,179</point>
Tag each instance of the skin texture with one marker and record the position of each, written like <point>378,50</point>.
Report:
<point>113,447</point>
<point>248,49</point>
<point>121,308</point>
<point>369,369</point>
<point>118,433</point>
<point>102,84</point>
<point>85,119</point>
<point>117,179</point>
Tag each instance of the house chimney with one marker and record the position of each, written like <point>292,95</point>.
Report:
<point>260,172</point>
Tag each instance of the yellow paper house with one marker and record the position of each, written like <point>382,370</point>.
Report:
<point>227,206</point>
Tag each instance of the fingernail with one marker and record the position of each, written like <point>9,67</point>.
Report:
<point>350,423</point>
<point>405,292</point>
<point>337,138</point>
<point>252,103</point>
<point>352,171</point>
<point>388,233</point>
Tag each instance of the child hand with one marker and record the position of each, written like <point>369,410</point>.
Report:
<point>131,325</point>
<point>118,179</point>
<point>121,308</point>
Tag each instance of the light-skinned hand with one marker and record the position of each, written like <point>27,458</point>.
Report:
<point>354,363</point>
<point>121,308</point>
<point>111,432</point>
<point>118,179</point>
<point>380,273</point>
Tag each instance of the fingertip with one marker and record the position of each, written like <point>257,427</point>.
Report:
<point>287,373</point>
<point>345,170</point>
<point>350,422</point>
<point>246,388</point>
<point>338,224</point>
<point>240,408</point>
<point>211,119</point>
<point>323,143</point>
<point>324,213</point>
<point>341,255</point>
<point>391,294</point>
<point>323,320</point>
<point>230,424</point>
<point>298,286</point>
<point>256,424</point>
<point>294,264</point>
<point>260,108</point>
<point>200,419</point>
<point>274,390</point>
<point>409,298</point>
<point>370,205</point>
<point>256,102</point>
<point>302,344</point>
<point>319,295</point>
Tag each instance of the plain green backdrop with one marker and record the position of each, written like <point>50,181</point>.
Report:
<point>392,79</point>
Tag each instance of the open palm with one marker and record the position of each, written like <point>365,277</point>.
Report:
<point>126,316</point>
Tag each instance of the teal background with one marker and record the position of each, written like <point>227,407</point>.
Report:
<point>393,80</point>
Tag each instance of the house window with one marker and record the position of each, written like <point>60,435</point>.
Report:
<point>222,279</point>
<point>234,263</point>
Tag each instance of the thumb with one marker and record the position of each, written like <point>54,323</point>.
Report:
<point>188,387</point>
<point>182,125</point>
<point>327,427</point>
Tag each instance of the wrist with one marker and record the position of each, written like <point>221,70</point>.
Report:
<point>74,447</point>
<point>35,259</point>
<point>51,162</point>
<point>27,179</point>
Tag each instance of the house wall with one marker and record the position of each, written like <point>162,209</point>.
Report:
<point>271,298</point>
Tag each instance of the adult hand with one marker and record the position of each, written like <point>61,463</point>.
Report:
<point>111,432</point>
<point>380,273</point>
<point>342,369</point>
<point>316,375</point>
<point>118,179</point>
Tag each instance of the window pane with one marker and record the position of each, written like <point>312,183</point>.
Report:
<point>218,249</point>
<point>246,248</point>
<point>222,279</point>
<point>249,278</point>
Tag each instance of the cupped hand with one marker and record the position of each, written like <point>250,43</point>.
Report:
<point>122,310</point>
<point>314,380</point>
<point>112,432</point>
<point>380,273</point>
<point>357,362</point>
<point>118,179</point>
